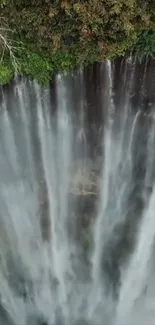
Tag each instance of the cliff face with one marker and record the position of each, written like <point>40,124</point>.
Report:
<point>57,35</point>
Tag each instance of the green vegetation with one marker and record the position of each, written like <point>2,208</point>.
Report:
<point>6,73</point>
<point>44,36</point>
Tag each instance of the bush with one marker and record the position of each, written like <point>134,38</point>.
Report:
<point>6,73</point>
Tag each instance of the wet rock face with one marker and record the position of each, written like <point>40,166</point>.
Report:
<point>37,321</point>
<point>83,195</point>
<point>68,39</point>
<point>4,317</point>
<point>43,323</point>
<point>45,223</point>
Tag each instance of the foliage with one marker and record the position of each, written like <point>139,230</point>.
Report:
<point>3,3</point>
<point>35,66</point>
<point>62,34</point>
<point>145,45</point>
<point>6,73</point>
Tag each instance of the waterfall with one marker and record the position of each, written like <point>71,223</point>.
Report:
<point>77,197</point>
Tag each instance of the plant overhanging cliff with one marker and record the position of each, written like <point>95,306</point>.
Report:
<point>40,37</point>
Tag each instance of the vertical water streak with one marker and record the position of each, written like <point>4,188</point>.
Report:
<point>17,197</point>
<point>133,281</point>
<point>143,88</point>
<point>7,139</point>
<point>49,251</point>
<point>81,132</point>
<point>149,175</point>
<point>23,105</point>
<point>13,191</point>
<point>130,65</point>
<point>65,158</point>
<point>98,234</point>
<point>56,157</point>
<point>18,209</point>
<point>12,308</point>
<point>102,228</point>
<point>131,139</point>
<point>64,148</point>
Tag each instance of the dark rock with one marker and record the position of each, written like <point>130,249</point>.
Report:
<point>68,39</point>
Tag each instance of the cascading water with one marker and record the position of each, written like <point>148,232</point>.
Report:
<point>77,228</point>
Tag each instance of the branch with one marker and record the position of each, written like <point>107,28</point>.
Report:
<point>82,193</point>
<point>6,44</point>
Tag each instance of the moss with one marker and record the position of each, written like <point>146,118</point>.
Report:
<point>6,73</point>
<point>35,66</point>
<point>41,66</point>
